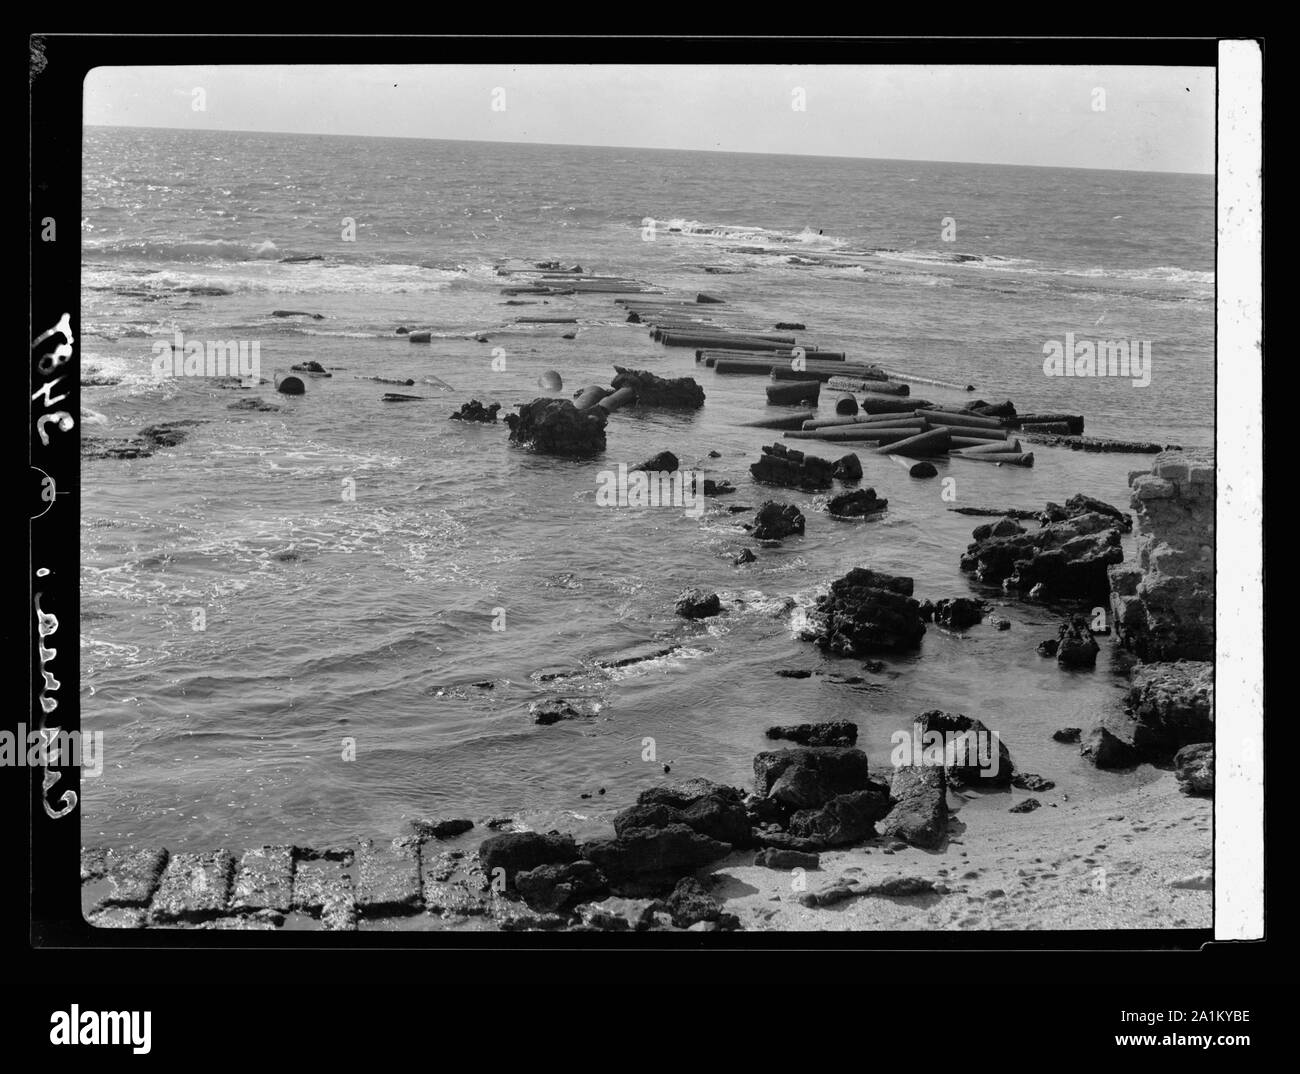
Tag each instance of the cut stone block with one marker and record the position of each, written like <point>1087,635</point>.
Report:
<point>194,887</point>
<point>449,888</point>
<point>133,876</point>
<point>316,881</point>
<point>1151,487</point>
<point>1175,470</point>
<point>264,880</point>
<point>388,878</point>
<point>339,914</point>
<point>322,886</point>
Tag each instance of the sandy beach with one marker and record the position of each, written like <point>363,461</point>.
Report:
<point>1029,871</point>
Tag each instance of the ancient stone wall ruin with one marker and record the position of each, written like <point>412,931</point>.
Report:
<point>1164,604</point>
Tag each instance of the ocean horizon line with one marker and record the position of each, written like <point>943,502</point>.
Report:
<point>648,148</point>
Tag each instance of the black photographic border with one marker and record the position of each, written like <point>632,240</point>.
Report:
<point>59,64</point>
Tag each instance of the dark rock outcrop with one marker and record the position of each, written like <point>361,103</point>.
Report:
<point>1067,558</point>
<point>1108,750</point>
<point>973,744</point>
<point>1169,706</point>
<point>697,604</point>
<point>476,411</point>
<point>692,903</point>
<point>557,427</point>
<point>848,468</point>
<point>560,887</point>
<point>1173,706</point>
<point>663,463</point>
<point>958,613</point>
<point>776,521</point>
<point>517,852</point>
<point>441,829</point>
<point>1004,527</point>
<point>679,393</point>
<point>1075,645</point>
<point>168,433</point>
<point>649,860</point>
<point>844,820</point>
<point>141,446</point>
<point>822,796</point>
<point>779,465</point>
<point>554,709</point>
<point>1079,504</point>
<point>1194,768</point>
<point>919,815</point>
<point>706,807</point>
<point>833,733</point>
<point>856,504</point>
<point>866,611</point>
<point>809,777</point>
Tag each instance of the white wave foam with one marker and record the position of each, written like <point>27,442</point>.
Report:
<point>957,258</point>
<point>255,277</point>
<point>672,661</point>
<point>748,233</point>
<point>1167,273</point>
<point>1000,263</point>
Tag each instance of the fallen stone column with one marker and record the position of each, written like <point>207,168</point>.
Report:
<point>728,365</point>
<point>1009,458</point>
<point>616,400</point>
<point>857,434</point>
<point>973,433</point>
<point>933,442</point>
<point>794,392</point>
<point>590,396</point>
<point>961,419</point>
<point>894,421</point>
<point>987,447</point>
<point>793,421</point>
<point>1074,421</point>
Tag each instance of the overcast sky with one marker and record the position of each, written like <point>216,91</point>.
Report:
<point>1154,119</point>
